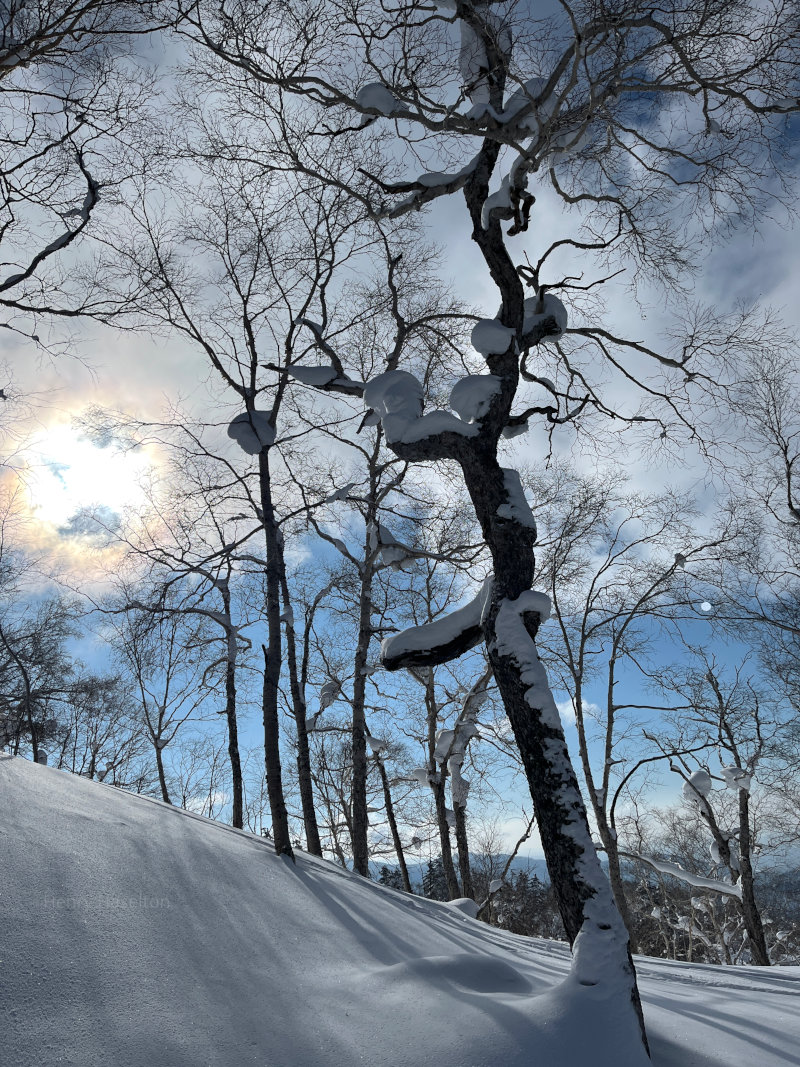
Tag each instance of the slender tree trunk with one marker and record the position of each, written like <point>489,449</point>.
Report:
<point>438,787</point>
<point>467,889</point>
<point>440,802</point>
<point>272,666</point>
<point>162,778</point>
<point>398,847</point>
<point>28,698</point>
<point>233,744</point>
<point>598,801</point>
<point>360,821</point>
<point>750,910</point>
<point>609,839</point>
<point>231,655</point>
<point>272,764</point>
<point>313,844</point>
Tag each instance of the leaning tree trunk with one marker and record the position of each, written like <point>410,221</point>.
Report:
<point>389,805</point>
<point>162,778</point>
<point>272,665</point>
<point>507,614</point>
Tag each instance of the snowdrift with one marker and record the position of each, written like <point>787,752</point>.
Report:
<point>139,935</point>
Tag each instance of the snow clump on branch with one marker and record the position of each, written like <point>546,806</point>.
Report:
<point>490,337</point>
<point>252,432</point>
<point>737,778</point>
<point>541,307</point>
<point>471,397</point>
<point>396,398</point>
<point>698,785</point>
<point>377,96</point>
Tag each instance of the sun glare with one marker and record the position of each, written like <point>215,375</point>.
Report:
<point>68,476</point>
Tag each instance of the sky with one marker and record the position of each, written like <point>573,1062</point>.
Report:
<point>132,372</point>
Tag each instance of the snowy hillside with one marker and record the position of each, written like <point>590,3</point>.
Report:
<point>138,935</point>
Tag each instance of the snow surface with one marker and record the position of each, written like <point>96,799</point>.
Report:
<point>139,934</point>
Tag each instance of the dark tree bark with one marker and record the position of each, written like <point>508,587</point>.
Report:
<point>750,910</point>
<point>272,665</point>
<point>358,804</point>
<point>462,843</point>
<point>237,815</point>
<point>272,764</point>
<point>313,844</point>
<point>438,782</point>
<point>398,846</point>
<point>162,778</point>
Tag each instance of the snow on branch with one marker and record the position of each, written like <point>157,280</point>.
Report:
<point>674,870</point>
<point>428,186</point>
<point>396,398</point>
<point>438,641</point>
<point>82,214</point>
<point>252,431</point>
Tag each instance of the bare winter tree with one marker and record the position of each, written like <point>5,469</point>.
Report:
<point>623,570</point>
<point>162,653</point>
<point>737,729</point>
<point>74,97</point>
<point>758,452</point>
<point>193,538</point>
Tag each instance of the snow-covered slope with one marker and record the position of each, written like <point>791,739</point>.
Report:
<point>138,935</point>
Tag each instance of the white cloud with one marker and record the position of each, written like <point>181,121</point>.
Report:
<point>566,709</point>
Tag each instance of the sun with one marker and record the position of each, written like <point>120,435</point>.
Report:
<point>69,476</point>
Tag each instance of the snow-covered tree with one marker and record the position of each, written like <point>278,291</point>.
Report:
<point>651,125</point>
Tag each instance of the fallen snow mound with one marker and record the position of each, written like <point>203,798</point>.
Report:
<point>139,935</point>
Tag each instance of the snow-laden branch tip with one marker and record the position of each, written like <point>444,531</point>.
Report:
<point>441,640</point>
<point>326,378</point>
<point>674,870</point>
